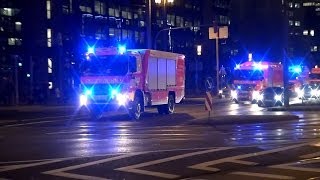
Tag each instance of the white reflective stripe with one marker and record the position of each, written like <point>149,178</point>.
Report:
<point>262,175</point>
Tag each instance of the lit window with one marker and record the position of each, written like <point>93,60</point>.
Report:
<point>50,65</point>
<point>18,26</point>
<point>99,7</point>
<point>290,22</point>
<point>14,41</point>
<point>11,41</point>
<point>48,9</point>
<point>111,12</point>
<point>49,38</point>
<point>305,32</point>
<point>86,9</point>
<point>50,85</point>
<point>290,4</point>
<point>297,5</point>
<point>111,31</point>
<point>297,23</point>
<point>311,32</point>
<point>314,48</point>
<point>7,11</point>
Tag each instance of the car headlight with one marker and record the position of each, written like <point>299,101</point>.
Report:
<point>83,100</point>
<point>234,94</point>
<point>300,93</point>
<point>122,99</point>
<point>220,91</point>
<point>277,97</point>
<point>297,90</point>
<point>255,95</point>
<point>260,97</point>
<point>314,92</point>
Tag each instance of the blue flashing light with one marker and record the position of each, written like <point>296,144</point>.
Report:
<point>296,69</point>
<point>114,92</point>
<point>239,87</point>
<point>88,92</point>
<point>237,66</point>
<point>122,49</point>
<point>90,50</point>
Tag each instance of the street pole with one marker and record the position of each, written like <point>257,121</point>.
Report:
<point>149,37</point>
<point>285,62</point>
<point>16,78</point>
<point>31,79</point>
<point>217,60</point>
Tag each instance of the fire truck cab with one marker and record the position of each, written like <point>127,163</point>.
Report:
<point>134,79</point>
<point>251,77</point>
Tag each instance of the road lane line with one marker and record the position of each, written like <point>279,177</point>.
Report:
<point>243,162</point>
<point>42,118</point>
<point>39,122</point>
<point>134,168</point>
<point>293,166</point>
<point>206,165</point>
<point>20,166</point>
<point>312,155</point>
<point>262,175</point>
<point>61,172</point>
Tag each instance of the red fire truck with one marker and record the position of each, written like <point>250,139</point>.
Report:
<point>251,77</point>
<point>134,79</point>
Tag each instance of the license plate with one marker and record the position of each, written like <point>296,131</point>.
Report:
<point>100,97</point>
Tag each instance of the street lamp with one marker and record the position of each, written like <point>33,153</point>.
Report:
<point>164,16</point>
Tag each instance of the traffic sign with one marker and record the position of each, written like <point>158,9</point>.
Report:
<point>209,84</point>
<point>208,101</point>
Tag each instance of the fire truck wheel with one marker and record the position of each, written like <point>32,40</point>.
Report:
<point>169,108</point>
<point>135,111</point>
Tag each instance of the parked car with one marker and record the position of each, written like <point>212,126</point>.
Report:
<point>271,96</point>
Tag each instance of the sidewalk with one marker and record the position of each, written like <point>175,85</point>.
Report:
<point>296,107</point>
<point>242,119</point>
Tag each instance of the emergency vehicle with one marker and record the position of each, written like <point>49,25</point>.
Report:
<point>134,79</point>
<point>312,88</point>
<point>251,77</point>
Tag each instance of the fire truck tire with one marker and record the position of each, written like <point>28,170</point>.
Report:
<point>169,108</point>
<point>135,111</point>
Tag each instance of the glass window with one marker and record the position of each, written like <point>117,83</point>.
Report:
<point>111,12</point>
<point>290,4</point>
<point>117,13</point>
<point>305,32</point>
<point>50,65</point>
<point>18,26</point>
<point>49,37</point>
<point>297,23</point>
<point>297,5</point>
<point>111,31</point>
<point>311,32</point>
<point>99,7</point>
<point>48,5</point>
<point>290,22</point>
<point>11,41</point>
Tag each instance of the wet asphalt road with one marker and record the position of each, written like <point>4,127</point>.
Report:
<point>58,143</point>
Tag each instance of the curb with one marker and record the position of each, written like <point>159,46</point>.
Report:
<point>303,108</point>
<point>243,119</point>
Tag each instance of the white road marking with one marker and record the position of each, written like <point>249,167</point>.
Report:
<point>61,172</point>
<point>312,155</point>
<point>262,175</point>
<point>134,168</point>
<point>20,166</point>
<point>293,166</point>
<point>206,165</point>
<point>243,162</point>
<point>42,118</point>
<point>39,122</point>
